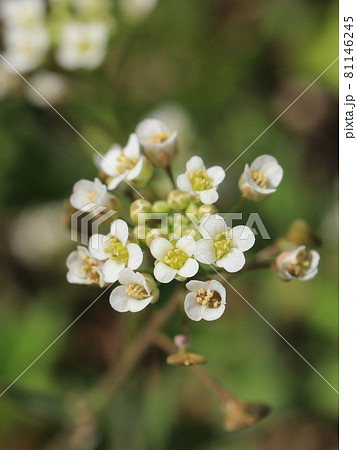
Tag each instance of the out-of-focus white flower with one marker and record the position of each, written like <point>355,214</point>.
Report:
<point>88,7</point>
<point>52,86</point>
<point>200,183</point>
<point>206,300</point>
<point>82,45</point>
<point>26,48</point>
<point>136,10</point>
<point>37,236</point>
<point>125,164</point>
<point>158,142</point>
<point>115,250</point>
<point>22,13</point>
<point>138,290</point>
<point>222,245</point>
<point>83,268</point>
<point>300,263</point>
<point>85,192</point>
<point>174,259</point>
<point>261,178</point>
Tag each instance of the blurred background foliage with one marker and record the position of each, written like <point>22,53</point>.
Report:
<point>221,71</point>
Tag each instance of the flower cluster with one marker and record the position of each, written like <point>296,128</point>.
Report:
<point>178,236</point>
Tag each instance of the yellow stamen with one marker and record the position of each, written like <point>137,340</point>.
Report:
<point>158,138</point>
<point>259,178</point>
<point>175,258</point>
<point>200,180</point>
<point>91,196</point>
<point>117,250</point>
<point>138,291</point>
<point>222,244</point>
<point>210,299</point>
<point>125,163</point>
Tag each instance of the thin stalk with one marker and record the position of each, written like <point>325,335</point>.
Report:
<point>171,176</point>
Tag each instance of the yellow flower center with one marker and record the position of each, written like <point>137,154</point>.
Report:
<point>175,258</point>
<point>158,138</point>
<point>259,178</point>
<point>200,180</point>
<point>91,196</point>
<point>301,266</point>
<point>210,299</point>
<point>222,244</point>
<point>84,46</point>
<point>125,163</point>
<point>89,269</point>
<point>138,291</point>
<point>118,251</point>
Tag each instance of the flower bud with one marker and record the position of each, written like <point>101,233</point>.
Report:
<point>192,208</point>
<point>154,290</point>
<point>152,234</point>
<point>158,142</point>
<point>187,359</point>
<point>300,264</point>
<point>182,341</point>
<point>140,232</point>
<point>177,200</point>
<point>139,206</point>
<point>206,210</point>
<point>160,206</point>
<point>300,233</point>
<point>240,414</point>
<point>145,174</point>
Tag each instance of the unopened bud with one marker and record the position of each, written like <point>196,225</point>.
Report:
<point>145,174</point>
<point>240,414</point>
<point>300,233</point>
<point>177,200</point>
<point>186,359</point>
<point>152,234</point>
<point>182,341</point>
<point>206,210</point>
<point>160,206</point>
<point>192,208</point>
<point>139,206</point>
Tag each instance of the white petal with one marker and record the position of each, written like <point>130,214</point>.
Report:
<point>75,279</point>
<point>187,244</point>
<point>309,275</point>
<point>136,256</point>
<point>195,285</point>
<point>243,238</point>
<point>164,273</point>
<point>262,162</point>
<point>192,308</point>
<point>111,270</point>
<point>184,183</point>
<point>195,163</point>
<point>108,162</point>
<point>213,225</point>
<point>97,244</point>
<point>204,252</point>
<point>128,276</point>
<point>315,258</point>
<point>213,313</point>
<point>132,149</point>
<point>274,174</point>
<point>114,183</point>
<point>136,170</point>
<point>119,229</point>
<point>208,197</point>
<point>232,262</point>
<point>253,184</point>
<point>218,287</point>
<point>217,174</point>
<point>159,247</point>
<point>121,301</point>
<point>147,129</point>
<point>189,269</point>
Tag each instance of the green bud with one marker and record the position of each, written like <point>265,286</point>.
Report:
<point>192,208</point>
<point>206,210</point>
<point>140,232</point>
<point>145,174</point>
<point>139,206</point>
<point>160,207</point>
<point>153,234</point>
<point>177,200</point>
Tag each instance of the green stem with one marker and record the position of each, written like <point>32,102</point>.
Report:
<point>171,176</point>
<point>238,206</point>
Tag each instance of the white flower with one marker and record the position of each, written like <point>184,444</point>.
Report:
<point>207,300</point>
<point>85,192</point>
<point>125,164</point>
<point>261,178</point>
<point>200,183</point>
<point>158,142</point>
<point>22,13</point>
<point>83,268</point>
<point>136,10</point>
<point>300,263</point>
<point>26,48</point>
<point>52,86</point>
<point>82,45</point>
<point>138,290</point>
<point>115,250</point>
<point>174,259</point>
<point>222,245</point>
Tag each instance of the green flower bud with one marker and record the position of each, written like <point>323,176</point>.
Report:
<point>206,210</point>
<point>140,232</point>
<point>177,200</point>
<point>160,207</point>
<point>192,208</point>
<point>139,206</point>
<point>153,234</point>
<point>145,174</point>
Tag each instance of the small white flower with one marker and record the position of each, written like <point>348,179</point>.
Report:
<point>115,250</point>
<point>200,183</point>
<point>125,164</point>
<point>82,45</point>
<point>83,268</point>
<point>136,10</point>
<point>26,48</point>
<point>85,192</point>
<point>206,300</point>
<point>138,290</point>
<point>300,263</point>
<point>52,86</point>
<point>222,245</point>
<point>261,178</point>
<point>158,142</point>
<point>22,13</point>
<point>174,259</point>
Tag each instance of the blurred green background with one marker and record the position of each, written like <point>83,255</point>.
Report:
<point>220,71</point>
